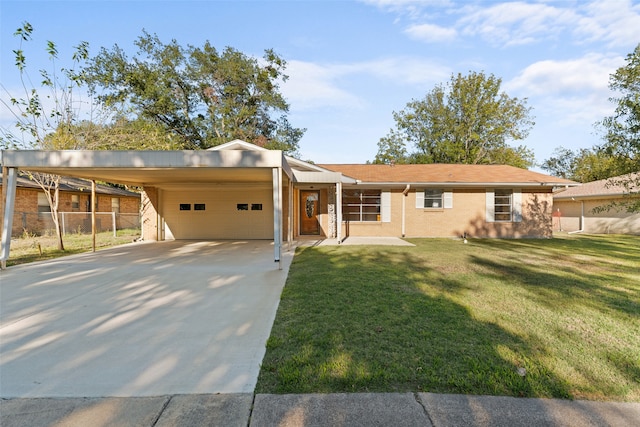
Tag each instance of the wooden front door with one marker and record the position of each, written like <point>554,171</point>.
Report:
<point>309,205</point>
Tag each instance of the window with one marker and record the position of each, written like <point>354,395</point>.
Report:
<point>115,205</point>
<point>75,201</point>
<point>433,198</point>
<point>185,206</point>
<point>502,202</point>
<point>256,206</point>
<point>43,203</point>
<point>361,205</point>
<point>242,206</point>
<point>199,206</point>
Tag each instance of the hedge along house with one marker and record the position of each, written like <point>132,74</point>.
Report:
<point>576,209</point>
<point>241,191</point>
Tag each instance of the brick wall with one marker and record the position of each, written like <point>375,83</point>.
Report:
<point>468,215</point>
<point>26,216</point>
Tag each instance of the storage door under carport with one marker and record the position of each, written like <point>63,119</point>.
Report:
<point>219,213</point>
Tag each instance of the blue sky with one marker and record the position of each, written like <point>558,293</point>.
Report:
<point>352,63</point>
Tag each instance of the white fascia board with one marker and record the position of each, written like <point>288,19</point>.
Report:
<point>457,184</point>
<point>286,169</point>
<point>68,159</point>
<point>318,177</point>
<point>237,144</point>
<point>592,196</point>
<point>300,164</point>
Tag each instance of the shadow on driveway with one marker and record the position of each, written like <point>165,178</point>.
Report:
<point>144,319</point>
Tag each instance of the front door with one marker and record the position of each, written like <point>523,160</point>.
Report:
<point>309,204</point>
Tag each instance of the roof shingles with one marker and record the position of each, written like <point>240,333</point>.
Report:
<point>445,173</point>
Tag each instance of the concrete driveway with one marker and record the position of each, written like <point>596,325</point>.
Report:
<point>143,319</point>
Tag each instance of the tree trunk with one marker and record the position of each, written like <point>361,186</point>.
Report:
<point>54,215</point>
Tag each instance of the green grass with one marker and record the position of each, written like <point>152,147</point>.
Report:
<point>453,318</point>
<point>29,248</point>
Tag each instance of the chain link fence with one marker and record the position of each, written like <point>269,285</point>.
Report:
<point>41,223</point>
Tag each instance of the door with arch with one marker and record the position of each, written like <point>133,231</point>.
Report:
<point>309,206</point>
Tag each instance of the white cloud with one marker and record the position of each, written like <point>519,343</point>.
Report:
<point>515,23</point>
<point>571,91</point>
<point>313,86</point>
<point>589,73</point>
<point>617,26</point>
<point>431,33</point>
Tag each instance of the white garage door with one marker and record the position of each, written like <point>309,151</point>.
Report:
<point>227,213</point>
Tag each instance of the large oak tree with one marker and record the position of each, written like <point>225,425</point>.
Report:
<point>201,96</point>
<point>470,120</point>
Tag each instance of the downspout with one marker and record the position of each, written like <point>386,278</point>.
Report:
<point>405,192</point>
<point>581,220</point>
<point>339,212</point>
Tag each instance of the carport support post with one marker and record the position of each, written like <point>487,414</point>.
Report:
<point>339,211</point>
<point>10,177</point>
<point>93,215</point>
<point>277,215</point>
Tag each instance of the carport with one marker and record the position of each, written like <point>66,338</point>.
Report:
<point>232,191</point>
<point>143,319</point>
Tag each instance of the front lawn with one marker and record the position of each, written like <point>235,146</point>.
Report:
<point>534,318</point>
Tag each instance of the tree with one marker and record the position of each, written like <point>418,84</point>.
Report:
<point>199,95</point>
<point>468,121</point>
<point>622,129</point>
<point>583,165</point>
<point>45,125</point>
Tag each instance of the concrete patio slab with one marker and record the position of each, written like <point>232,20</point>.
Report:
<point>146,319</point>
<point>353,241</point>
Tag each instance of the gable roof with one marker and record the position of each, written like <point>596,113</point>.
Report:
<point>596,189</point>
<point>447,174</point>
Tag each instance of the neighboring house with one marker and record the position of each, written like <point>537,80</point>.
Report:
<point>32,213</point>
<point>241,191</point>
<point>573,209</point>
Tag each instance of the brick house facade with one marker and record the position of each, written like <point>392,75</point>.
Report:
<point>32,212</point>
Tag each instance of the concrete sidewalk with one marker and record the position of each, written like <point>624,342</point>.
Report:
<point>358,409</point>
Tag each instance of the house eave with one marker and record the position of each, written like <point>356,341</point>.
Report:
<point>591,196</point>
<point>422,184</point>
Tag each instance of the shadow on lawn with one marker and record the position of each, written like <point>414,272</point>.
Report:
<point>380,319</point>
<point>582,274</point>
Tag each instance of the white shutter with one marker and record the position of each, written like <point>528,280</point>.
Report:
<point>491,206</point>
<point>517,205</point>
<point>419,199</point>
<point>448,199</point>
<point>385,206</point>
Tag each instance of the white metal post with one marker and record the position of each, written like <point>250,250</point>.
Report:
<point>10,184</point>
<point>277,215</point>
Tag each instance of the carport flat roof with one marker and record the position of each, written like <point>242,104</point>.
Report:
<point>151,168</point>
